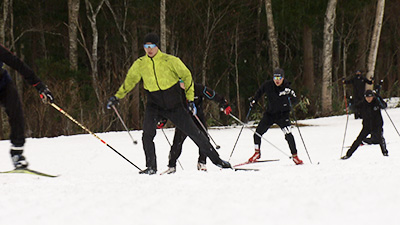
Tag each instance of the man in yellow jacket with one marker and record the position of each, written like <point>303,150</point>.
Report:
<point>161,74</point>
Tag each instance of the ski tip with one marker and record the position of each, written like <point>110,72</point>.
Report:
<point>29,171</point>
<point>244,169</point>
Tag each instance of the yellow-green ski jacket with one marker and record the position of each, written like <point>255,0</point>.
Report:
<point>160,75</point>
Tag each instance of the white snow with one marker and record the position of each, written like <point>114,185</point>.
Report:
<point>97,186</point>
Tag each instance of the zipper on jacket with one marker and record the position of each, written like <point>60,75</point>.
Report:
<point>155,75</point>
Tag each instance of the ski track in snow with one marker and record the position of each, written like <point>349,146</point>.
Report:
<point>99,187</point>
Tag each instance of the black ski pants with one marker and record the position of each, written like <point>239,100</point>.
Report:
<point>183,121</point>
<point>9,99</point>
<point>179,138</point>
<point>283,121</point>
<point>377,133</point>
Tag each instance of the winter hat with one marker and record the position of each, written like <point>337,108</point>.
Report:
<point>369,93</point>
<point>279,72</point>
<point>152,38</point>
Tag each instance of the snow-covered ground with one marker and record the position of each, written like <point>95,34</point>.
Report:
<point>99,187</point>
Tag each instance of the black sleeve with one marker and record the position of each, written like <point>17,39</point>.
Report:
<point>263,88</point>
<point>210,94</point>
<point>367,81</point>
<point>14,62</point>
<point>359,105</point>
<point>348,81</point>
<point>382,103</point>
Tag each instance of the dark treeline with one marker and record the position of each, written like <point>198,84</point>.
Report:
<point>219,41</point>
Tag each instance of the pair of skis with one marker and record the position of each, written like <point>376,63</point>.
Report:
<point>235,167</point>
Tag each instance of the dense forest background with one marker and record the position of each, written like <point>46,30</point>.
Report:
<point>225,44</point>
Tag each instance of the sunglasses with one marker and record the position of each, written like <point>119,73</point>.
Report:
<point>277,77</point>
<point>149,45</point>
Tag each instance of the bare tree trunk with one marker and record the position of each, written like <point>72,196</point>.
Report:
<point>329,25</point>
<point>210,28</point>
<point>163,26</point>
<point>308,73</point>
<point>259,41</point>
<point>3,21</point>
<point>273,39</point>
<point>93,57</point>
<point>362,40</point>
<point>237,70</point>
<point>73,16</point>
<point>135,118</point>
<point>380,9</point>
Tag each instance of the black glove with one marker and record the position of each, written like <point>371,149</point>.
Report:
<point>161,123</point>
<point>192,107</point>
<point>44,93</point>
<point>252,102</point>
<point>112,101</point>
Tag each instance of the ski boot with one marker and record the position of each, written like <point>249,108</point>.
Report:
<point>297,160</point>
<point>18,159</point>
<point>345,157</point>
<point>170,170</point>
<point>257,155</point>
<point>149,171</point>
<point>201,167</point>
<point>224,164</point>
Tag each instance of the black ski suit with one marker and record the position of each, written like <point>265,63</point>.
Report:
<point>9,97</point>
<point>280,101</point>
<point>358,82</point>
<point>201,92</point>
<point>372,123</point>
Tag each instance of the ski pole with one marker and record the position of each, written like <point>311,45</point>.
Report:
<point>240,132</point>
<point>123,123</point>
<point>347,117</point>
<point>90,132</point>
<point>205,129</point>
<point>301,136</point>
<point>255,132</point>
<point>162,129</point>
<point>392,122</point>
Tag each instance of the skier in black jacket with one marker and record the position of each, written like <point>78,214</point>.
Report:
<point>201,92</point>
<point>370,109</point>
<point>10,100</point>
<point>358,82</point>
<point>280,99</point>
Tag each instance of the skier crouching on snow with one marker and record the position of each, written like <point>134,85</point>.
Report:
<point>10,100</point>
<point>280,98</point>
<point>161,73</point>
<point>370,109</point>
<point>201,92</point>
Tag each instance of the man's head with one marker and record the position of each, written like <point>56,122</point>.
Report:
<point>358,73</point>
<point>279,76</point>
<point>369,95</point>
<point>150,44</point>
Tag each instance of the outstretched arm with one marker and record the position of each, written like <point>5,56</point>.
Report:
<point>14,62</point>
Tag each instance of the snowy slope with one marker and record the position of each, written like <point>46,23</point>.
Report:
<point>97,186</point>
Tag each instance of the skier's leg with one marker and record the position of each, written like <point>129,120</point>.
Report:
<point>182,119</point>
<point>150,121</point>
<point>176,148</point>
<point>364,132</point>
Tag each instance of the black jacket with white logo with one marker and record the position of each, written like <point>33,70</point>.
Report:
<point>280,98</point>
